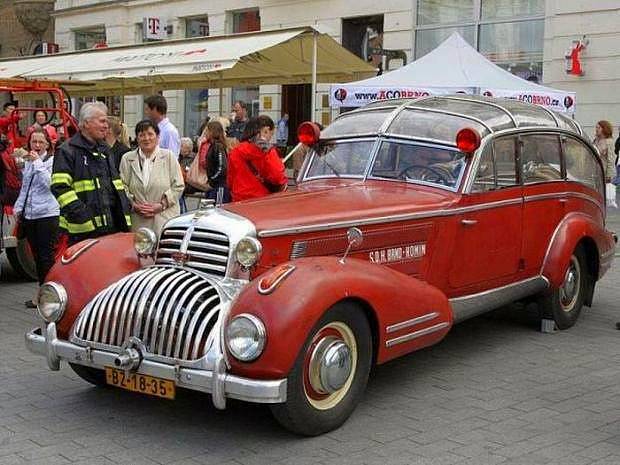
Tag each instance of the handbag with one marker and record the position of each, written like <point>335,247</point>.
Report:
<point>610,194</point>
<point>196,177</point>
<point>20,229</point>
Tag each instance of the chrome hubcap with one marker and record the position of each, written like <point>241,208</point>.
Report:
<point>569,291</point>
<point>330,365</point>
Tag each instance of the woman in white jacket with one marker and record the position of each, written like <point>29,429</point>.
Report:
<point>36,205</point>
<point>153,180</point>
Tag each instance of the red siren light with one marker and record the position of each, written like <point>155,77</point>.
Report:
<point>467,140</point>
<point>308,133</point>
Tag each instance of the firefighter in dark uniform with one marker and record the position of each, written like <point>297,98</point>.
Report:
<point>87,184</point>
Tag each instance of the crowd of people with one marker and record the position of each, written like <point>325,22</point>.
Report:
<point>99,182</point>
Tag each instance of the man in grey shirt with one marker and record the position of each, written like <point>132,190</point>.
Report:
<point>155,109</point>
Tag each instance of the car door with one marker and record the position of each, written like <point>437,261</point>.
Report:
<point>544,195</point>
<point>488,247</point>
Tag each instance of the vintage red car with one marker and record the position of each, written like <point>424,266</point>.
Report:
<point>409,216</point>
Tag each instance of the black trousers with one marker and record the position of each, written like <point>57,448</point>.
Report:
<point>42,236</point>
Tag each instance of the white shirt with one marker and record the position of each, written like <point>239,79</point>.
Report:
<point>146,163</point>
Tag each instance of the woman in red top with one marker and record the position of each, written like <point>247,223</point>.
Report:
<point>254,165</point>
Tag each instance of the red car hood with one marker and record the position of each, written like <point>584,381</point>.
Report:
<point>322,202</point>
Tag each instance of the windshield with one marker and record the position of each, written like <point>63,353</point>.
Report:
<point>419,163</point>
<point>349,158</point>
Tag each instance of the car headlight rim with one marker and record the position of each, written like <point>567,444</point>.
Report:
<point>248,251</point>
<point>144,242</point>
<point>49,310</point>
<point>255,348</point>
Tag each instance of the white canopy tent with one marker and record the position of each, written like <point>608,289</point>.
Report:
<point>453,67</point>
<point>287,56</point>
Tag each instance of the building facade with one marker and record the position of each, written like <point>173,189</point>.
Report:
<point>529,38</point>
<point>24,25</point>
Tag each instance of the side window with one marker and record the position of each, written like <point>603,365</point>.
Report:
<point>485,177</point>
<point>497,168</point>
<point>505,151</point>
<point>581,164</point>
<point>540,158</point>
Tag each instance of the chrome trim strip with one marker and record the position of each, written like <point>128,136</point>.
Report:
<point>555,118</point>
<point>416,334</point>
<point>472,305</point>
<point>387,219</point>
<point>564,194</point>
<point>194,321</point>
<point>85,246</point>
<point>408,323</point>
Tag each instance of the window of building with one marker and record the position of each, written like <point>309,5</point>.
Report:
<point>508,32</point>
<point>362,36</point>
<point>196,100</point>
<point>245,21</point>
<point>88,38</point>
<point>197,27</point>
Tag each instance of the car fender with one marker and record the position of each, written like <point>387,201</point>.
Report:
<point>574,228</point>
<point>94,265</point>
<point>400,305</point>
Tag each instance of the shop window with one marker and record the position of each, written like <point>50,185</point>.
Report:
<point>362,36</point>
<point>445,12</point>
<point>501,9</point>
<point>197,27</point>
<point>245,21</point>
<point>517,47</point>
<point>250,96</point>
<point>427,39</point>
<point>89,38</point>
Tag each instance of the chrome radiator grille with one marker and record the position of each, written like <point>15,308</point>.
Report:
<point>205,250</point>
<point>173,312</point>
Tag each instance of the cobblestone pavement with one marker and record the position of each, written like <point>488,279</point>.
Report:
<point>495,391</point>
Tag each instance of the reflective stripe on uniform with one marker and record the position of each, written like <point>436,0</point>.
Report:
<point>66,198</point>
<point>84,185</point>
<point>118,184</point>
<point>62,178</point>
<point>128,220</point>
<point>76,228</point>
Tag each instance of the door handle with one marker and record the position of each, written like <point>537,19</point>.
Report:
<point>469,222</point>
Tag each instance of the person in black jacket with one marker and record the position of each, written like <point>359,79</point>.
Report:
<point>215,161</point>
<point>86,182</point>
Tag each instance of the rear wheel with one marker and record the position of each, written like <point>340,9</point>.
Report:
<point>92,375</point>
<point>22,260</point>
<point>330,374</point>
<point>564,304</point>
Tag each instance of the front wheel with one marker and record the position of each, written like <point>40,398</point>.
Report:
<point>564,304</point>
<point>22,260</point>
<point>330,374</point>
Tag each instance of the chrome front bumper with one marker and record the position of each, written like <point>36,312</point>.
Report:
<point>218,383</point>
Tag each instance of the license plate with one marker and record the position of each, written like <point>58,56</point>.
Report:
<point>143,384</point>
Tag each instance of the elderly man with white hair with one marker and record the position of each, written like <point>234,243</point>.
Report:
<point>86,182</point>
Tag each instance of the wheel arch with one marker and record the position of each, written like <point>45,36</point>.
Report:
<point>391,301</point>
<point>593,264</point>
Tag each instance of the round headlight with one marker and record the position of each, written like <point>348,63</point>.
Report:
<point>51,301</point>
<point>248,251</point>
<point>245,337</point>
<point>144,241</point>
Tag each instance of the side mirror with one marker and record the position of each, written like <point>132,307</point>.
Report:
<point>355,238</point>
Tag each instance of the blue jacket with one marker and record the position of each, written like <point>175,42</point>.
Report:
<point>41,202</point>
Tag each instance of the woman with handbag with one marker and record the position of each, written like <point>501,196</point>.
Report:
<point>213,156</point>
<point>153,180</point>
<point>254,165</point>
<point>36,207</point>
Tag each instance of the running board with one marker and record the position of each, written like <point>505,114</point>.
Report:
<point>473,305</point>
